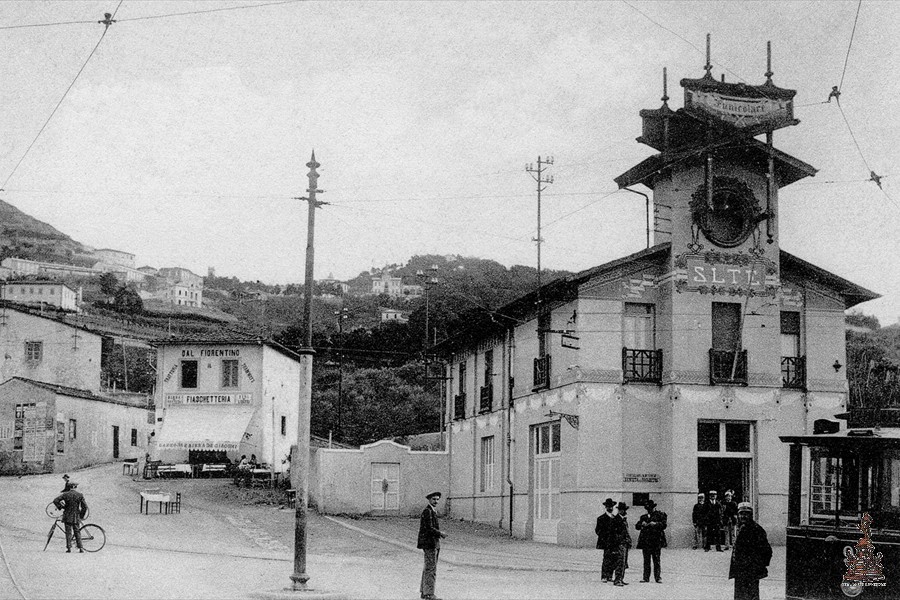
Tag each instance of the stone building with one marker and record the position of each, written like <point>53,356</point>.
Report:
<point>40,293</point>
<point>667,372</point>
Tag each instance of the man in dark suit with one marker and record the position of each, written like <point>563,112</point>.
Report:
<point>74,508</point>
<point>652,539</point>
<point>622,537</point>
<point>605,540</point>
<point>429,541</point>
<point>750,557</point>
<point>714,515</point>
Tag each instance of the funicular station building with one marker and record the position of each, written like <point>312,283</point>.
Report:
<point>667,372</point>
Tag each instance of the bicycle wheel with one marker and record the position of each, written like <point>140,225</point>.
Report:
<point>93,538</point>
<point>53,512</point>
<point>50,535</point>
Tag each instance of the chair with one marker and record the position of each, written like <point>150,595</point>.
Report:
<point>292,498</point>
<point>175,505</point>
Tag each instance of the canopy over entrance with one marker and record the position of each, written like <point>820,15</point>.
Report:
<point>204,427</point>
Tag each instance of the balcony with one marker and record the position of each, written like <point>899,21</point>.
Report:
<point>724,369</point>
<point>541,373</point>
<point>487,399</point>
<point>793,372</point>
<point>459,407</point>
<point>641,366</point>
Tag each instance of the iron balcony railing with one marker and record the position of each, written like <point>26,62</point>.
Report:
<point>723,368</point>
<point>641,366</point>
<point>459,406</point>
<point>793,372</point>
<point>487,398</point>
<point>542,372</point>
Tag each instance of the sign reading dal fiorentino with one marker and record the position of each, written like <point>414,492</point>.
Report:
<point>173,399</point>
<point>703,273</point>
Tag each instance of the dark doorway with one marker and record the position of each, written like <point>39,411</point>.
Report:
<point>723,474</point>
<point>115,441</point>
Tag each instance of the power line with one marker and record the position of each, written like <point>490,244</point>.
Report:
<point>107,22</point>
<point>850,45</point>
<point>162,16</point>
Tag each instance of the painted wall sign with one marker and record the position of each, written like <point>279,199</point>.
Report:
<point>199,445</point>
<point>702,273</point>
<point>640,477</point>
<point>211,352</point>
<point>173,399</point>
<point>741,112</point>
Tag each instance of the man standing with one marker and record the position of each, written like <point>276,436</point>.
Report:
<point>729,516</point>
<point>713,522</point>
<point>74,508</point>
<point>751,555</point>
<point>622,538</point>
<point>652,539</point>
<point>605,542</point>
<point>430,535</point>
<point>698,516</point>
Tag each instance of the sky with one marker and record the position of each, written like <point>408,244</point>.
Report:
<point>183,136</point>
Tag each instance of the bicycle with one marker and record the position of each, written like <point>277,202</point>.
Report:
<point>93,538</point>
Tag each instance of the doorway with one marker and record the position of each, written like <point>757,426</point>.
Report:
<point>723,474</point>
<point>385,486</point>
<point>115,441</point>
<point>545,480</point>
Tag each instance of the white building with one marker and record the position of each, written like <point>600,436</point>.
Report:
<point>40,293</point>
<point>182,287</point>
<point>383,283</point>
<point>115,257</point>
<point>392,315</point>
<point>23,266</point>
<point>226,398</point>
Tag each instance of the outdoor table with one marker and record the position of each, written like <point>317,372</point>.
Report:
<point>162,498</point>
<point>186,469</point>
<point>261,475</point>
<point>213,468</point>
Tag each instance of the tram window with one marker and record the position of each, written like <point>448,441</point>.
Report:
<point>737,437</point>
<point>707,437</point>
<point>845,484</point>
<point>892,469</point>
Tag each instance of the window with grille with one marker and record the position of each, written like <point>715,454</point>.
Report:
<point>73,429</point>
<point>229,373</point>
<point>134,437</point>
<point>34,351</point>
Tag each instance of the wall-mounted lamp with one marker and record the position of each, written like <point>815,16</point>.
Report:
<point>837,365</point>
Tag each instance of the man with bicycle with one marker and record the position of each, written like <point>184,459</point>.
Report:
<point>74,508</point>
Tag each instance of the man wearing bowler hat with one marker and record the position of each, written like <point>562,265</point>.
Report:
<point>652,539</point>
<point>605,541</point>
<point>430,535</point>
<point>74,508</point>
<point>622,537</point>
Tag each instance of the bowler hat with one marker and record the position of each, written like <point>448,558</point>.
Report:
<point>745,507</point>
<point>649,504</point>
<point>622,507</point>
<point>609,502</point>
<point>432,495</point>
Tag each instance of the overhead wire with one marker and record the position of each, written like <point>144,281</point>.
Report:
<point>58,104</point>
<point>850,45</point>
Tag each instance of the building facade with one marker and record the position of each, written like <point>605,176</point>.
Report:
<point>180,286</point>
<point>40,293</point>
<point>383,283</point>
<point>229,397</point>
<point>115,257</point>
<point>47,428</point>
<point>42,348</point>
<point>667,372</point>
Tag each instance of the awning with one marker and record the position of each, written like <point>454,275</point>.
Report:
<point>204,427</point>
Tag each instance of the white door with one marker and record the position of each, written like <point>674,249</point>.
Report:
<point>546,495</point>
<point>385,486</point>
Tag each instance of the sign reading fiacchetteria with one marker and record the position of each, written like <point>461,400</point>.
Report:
<point>172,399</point>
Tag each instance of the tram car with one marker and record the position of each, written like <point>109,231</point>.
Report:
<point>843,532</point>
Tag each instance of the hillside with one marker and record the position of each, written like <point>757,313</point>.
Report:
<point>24,236</point>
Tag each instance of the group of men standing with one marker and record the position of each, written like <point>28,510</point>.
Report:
<point>614,538</point>
<point>714,521</point>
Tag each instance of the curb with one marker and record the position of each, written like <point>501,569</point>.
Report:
<point>452,559</point>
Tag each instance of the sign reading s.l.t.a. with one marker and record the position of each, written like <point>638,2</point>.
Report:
<point>701,273</point>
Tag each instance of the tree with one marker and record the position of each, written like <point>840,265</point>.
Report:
<point>128,301</point>
<point>109,285</point>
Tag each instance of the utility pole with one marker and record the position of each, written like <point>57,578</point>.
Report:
<point>542,182</point>
<point>341,315</point>
<point>300,465</point>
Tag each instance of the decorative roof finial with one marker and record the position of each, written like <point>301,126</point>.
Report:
<point>769,72</point>
<point>312,164</point>
<point>665,96</point>
<point>708,66</point>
